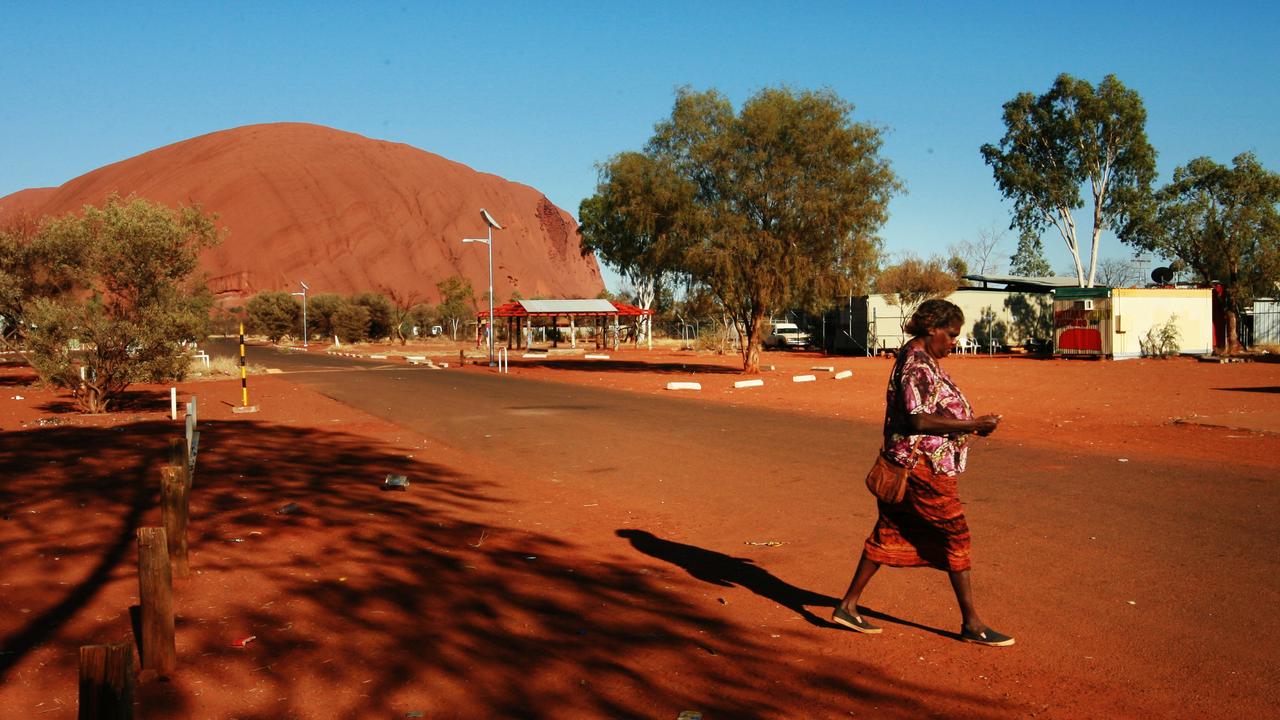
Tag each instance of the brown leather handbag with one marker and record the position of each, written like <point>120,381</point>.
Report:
<point>888,480</point>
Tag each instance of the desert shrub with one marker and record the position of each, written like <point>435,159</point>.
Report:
<point>320,310</point>
<point>126,300</point>
<point>381,314</point>
<point>274,314</point>
<point>351,322</point>
<point>1161,341</point>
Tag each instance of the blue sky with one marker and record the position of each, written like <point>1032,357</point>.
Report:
<point>540,92</point>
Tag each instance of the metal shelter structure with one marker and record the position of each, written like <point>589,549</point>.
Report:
<point>522,316</point>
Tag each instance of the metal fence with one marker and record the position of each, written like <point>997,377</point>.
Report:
<point>1260,326</point>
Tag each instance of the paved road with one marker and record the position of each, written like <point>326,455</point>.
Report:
<point>1155,567</point>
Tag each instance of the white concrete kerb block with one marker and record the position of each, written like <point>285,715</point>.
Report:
<point>595,357</point>
<point>684,386</point>
<point>823,368</point>
<point>844,374</point>
<point>803,378</point>
<point>749,383</point>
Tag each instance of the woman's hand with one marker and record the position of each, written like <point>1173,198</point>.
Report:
<point>986,424</point>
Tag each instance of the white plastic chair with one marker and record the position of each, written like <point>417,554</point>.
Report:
<point>967,345</point>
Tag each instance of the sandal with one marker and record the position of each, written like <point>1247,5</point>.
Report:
<point>854,622</point>
<point>987,637</point>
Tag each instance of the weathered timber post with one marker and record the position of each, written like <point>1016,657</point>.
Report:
<point>179,452</point>
<point>175,509</point>
<point>155,594</point>
<point>106,682</point>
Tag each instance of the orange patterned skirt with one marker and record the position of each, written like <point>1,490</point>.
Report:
<point>926,529</point>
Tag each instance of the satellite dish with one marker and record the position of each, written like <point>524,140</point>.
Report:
<point>1162,275</point>
<point>489,219</point>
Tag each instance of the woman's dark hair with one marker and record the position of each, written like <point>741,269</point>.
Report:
<point>934,314</point>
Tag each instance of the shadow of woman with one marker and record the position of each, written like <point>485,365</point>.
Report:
<point>727,571</point>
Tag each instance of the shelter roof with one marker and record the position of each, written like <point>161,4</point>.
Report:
<point>549,308</point>
<point>566,307</point>
<point>1024,283</point>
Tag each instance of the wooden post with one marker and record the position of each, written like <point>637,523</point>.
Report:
<point>179,452</point>
<point>155,594</point>
<point>175,509</point>
<point>106,682</point>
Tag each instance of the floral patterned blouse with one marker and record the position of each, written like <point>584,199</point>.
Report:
<point>919,385</point>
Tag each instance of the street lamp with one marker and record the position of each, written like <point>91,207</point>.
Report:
<point>304,312</point>
<point>488,241</point>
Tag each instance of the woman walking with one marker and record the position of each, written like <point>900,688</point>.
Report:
<point>927,424</point>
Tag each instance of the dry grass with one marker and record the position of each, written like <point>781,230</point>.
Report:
<point>220,368</point>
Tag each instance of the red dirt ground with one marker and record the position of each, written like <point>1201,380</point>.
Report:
<point>486,579</point>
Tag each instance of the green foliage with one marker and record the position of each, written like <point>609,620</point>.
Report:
<point>1161,341</point>
<point>423,316</point>
<point>381,314</point>
<point>320,310</point>
<point>1028,259</point>
<point>913,281</point>
<point>1222,223</point>
<point>351,322</point>
<point>1072,135</point>
<point>457,302</point>
<point>274,314</point>
<point>772,207</point>
<point>118,284</point>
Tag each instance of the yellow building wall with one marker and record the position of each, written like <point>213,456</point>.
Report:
<point>1135,311</point>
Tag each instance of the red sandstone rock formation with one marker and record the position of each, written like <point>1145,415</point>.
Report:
<point>342,212</point>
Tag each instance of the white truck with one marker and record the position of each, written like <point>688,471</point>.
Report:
<point>786,335</point>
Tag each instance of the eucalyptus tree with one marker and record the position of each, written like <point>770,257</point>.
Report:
<point>772,207</point>
<point>633,222</point>
<point>1222,222</point>
<point>1055,143</point>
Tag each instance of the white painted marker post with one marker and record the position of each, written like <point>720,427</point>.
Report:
<point>173,403</point>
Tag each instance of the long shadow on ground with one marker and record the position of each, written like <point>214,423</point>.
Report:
<point>365,603</point>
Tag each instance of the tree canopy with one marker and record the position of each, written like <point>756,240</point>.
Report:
<point>457,302</point>
<point>1028,258</point>
<point>1223,223</point>
<point>912,281</point>
<point>775,206</point>
<point>121,297</point>
<point>1072,135</point>
<point>274,313</point>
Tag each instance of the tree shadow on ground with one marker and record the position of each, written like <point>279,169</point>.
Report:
<point>367,603</point>
<point>1261,389</point>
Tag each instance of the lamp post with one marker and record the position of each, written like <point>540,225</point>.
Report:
<point>488,241</point>
<point>304,312</point>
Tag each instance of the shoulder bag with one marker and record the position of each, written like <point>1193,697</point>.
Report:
<point>888,480</point>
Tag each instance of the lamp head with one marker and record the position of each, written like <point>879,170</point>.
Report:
<point>304,285</point>
<point>489,219</point>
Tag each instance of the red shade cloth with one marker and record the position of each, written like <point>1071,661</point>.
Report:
<point>926,529</point>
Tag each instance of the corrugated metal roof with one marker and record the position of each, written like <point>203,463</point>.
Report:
<point>567,307</point>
